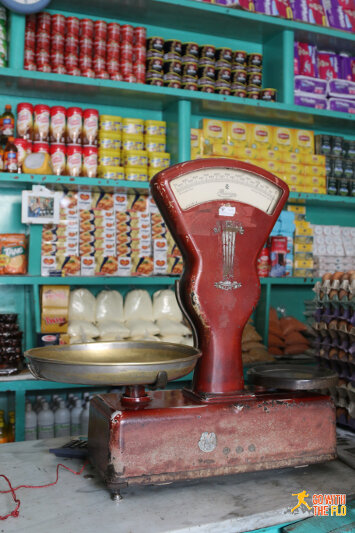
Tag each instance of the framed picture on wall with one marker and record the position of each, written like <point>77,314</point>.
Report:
<point>40,207</point>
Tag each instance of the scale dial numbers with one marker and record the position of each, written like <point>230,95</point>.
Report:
<point>228,184</point>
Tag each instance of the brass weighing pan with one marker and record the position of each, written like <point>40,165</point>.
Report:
<point>112,363</point>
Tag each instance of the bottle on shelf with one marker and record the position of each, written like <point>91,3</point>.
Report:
<point>30,423</point>
<point>62,421</point>
<point>45,422</point>
<point>84,419</point>
<point>10,156</point>
<point>3,436</point>
<point>11,427</point>
<point>7,124</point>
<point>75,418</point>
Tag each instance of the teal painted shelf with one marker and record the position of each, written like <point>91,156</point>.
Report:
<point>324,199</point>
<point>95,280</point>
<point>17,82</point>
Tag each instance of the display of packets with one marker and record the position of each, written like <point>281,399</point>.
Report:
<point>108,234</point>
<point>286,152</point>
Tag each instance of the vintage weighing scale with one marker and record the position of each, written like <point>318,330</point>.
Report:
<point>220,213</point>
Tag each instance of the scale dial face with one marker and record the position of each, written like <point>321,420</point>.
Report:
<point>218,184</point>
<point>25,7</point>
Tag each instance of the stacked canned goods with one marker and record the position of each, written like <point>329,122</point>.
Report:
<point>69,136</point>
<point>3,37</point>
<point>84,47</point>
<point>142,146</point>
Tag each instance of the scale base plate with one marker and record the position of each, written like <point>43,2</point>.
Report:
<point>175,438</point>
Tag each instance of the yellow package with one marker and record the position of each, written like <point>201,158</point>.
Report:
<point>291,157</point>
<point>293,187</point>
<point>136,173</point>
<point>308,263</point>
<point>238,133</point>
<point>271,166</point>
<point>283,139</point>
<point>293,179</point>
<point>222,149</point>
<point>260,136</point>
<point>132,142</point>
<point>155,143</point>
<point>314,181</point>
<point>303,141</point>
<point>196,138</point>
<point>132,126</point>
<point>269,155</point>
<point>244,152</point>
<point>155,127</point>
<point>135,158</point>
<point>316,170</point>
<point>195,153</point>
<point>55,296</point>
<point>307,232</point>
<point>292,168</point>
<point>315,189</point>
<point>298,248</point>
<point>303,272</point>
<point>54,319</point>
<point>298,209</point>
<point>303,239</point>
<point>303,256</point>
<point>214,130</point>
<point>314,159</point>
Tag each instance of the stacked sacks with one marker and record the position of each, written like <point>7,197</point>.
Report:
<point>252,348</point>
<point>286,335</point>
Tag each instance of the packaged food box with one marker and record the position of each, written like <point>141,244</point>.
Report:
<point>269,155</point>
<point>291,157</point>
<point>55,296</point>
<point>260,136</point>
<point>303,272</point>
<point>312,181</point>
<point>214,130</point>
<point>244,152</point>
<point>303,247</point>
<point>314,159</point>
<point>292,179</point>
<point>54,320</point>
<point>292,168</point>
<point>13,254</point>
<point>303,263</point>
<point>278,251</point>
<point>238,133</point>
<point>304,141</point>
<point>316,170</point>
<point>222,149</point>
<point>299,209</point>
<point>283,139</point>
<point>309,11</point>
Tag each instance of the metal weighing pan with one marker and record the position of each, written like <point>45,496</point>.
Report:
<point>112,363</point>
<point>292,377</point>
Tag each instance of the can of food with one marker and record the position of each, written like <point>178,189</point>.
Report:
<point>155,127</point>
<point>207,72</point>
<point>126,69</point>
<point>202,82</point>
<point>127,33</point>
<point>253,92</point>
<point>190,49</point>
<point>132,126</point>
<point>112,66</point>
<point>21,145</point>
<point>154,53</point>
<point>172,48</point>
<point>88,73</point>
<point>269,95</point>
<point>208,52</point>
<point>126,52</point>
<point>158,160</point>
<point>90,127</point>
<point>205,62</point>
<point>41,122</point>
<point>42,68</point>
<point>206,88</point>
<point>239,76</point>
<point>113,50</point>
<point>189,85</point>
<point>113,32</point>
<point>42,57</point>
<point>99,48</point>
<point>155,143</point>
<point>132,142</point>
<point>136,173</point>
<point>241,93</point>
<point>173,83</point>
<point>156,80</point>
<point>57,43</point>
<point>139,72</point>
<point>254,79</point>
<point>100,30</point>
<point>222,88</point>
<point>223,74</point>
<point>58,124</point>
<point>109,158</point>
<point>255,60</point>
<point>89,161</point>
<point>74,160</point>
<point>42,41</point>
<point>57,58</point>
<point>59,69</point>
<point>73,71</point>
<point>172,67</point>
<point>99,64</point>
<point>109,123</point>
<point>86,46</point>
<point>135,158</point>
<point>155,64</point>
<point>43,22</point>
<point>140,35</point>
<point>113,173</point>
<point>57,24</point>
<point>58,158</point>
<point>155,44</point>
<point>112,141</point>
<point>30,39</point>
<point>240,58</point>
<point>72,24</point>
<point>74,125</point>
<point>102,75</point>
<point>31,22</point>
<point>29,55</point>
<point>190,69</point>
<point>25,120</point>
<point>27,65</point>
<point>40,147</point>
<point>139,53</point>
<point>224,56</point>
<point>86,28</point>
<point>85,62</point>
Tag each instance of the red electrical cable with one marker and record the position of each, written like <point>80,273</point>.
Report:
<point>15,513</point>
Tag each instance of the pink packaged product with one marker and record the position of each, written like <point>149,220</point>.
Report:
<point>276,8</point>
<point>305,84</point>
<point>341,89</point>
<point>338,104</point>
<point>338,17</point>
<point>307,60</point>
<point>248,5</point>
<point>317,102</point>
<point>309,11</point>
<point>328,64</point>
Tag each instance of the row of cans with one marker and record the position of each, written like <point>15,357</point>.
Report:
<point>3,37</point>
<point>324,64</point>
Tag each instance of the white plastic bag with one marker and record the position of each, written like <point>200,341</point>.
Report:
<point>82,305</point>
<point>138,304</point>
<point>168,327</point>
<point>80,328</point>
<point>165,306</point>
<point>141,328</point>
<point>75,339</point>
<point>109,307</point>
<point>112,331</point>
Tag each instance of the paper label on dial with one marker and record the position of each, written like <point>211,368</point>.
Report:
<point>226,211</point>
<point>213,184</point>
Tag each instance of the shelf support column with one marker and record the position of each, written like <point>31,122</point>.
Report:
<point>184,117</point>
<point>17,41</point>
<point>178,118</point>
<point>278,63</point>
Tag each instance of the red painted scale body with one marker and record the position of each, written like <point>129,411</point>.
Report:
<point>218,428</point>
